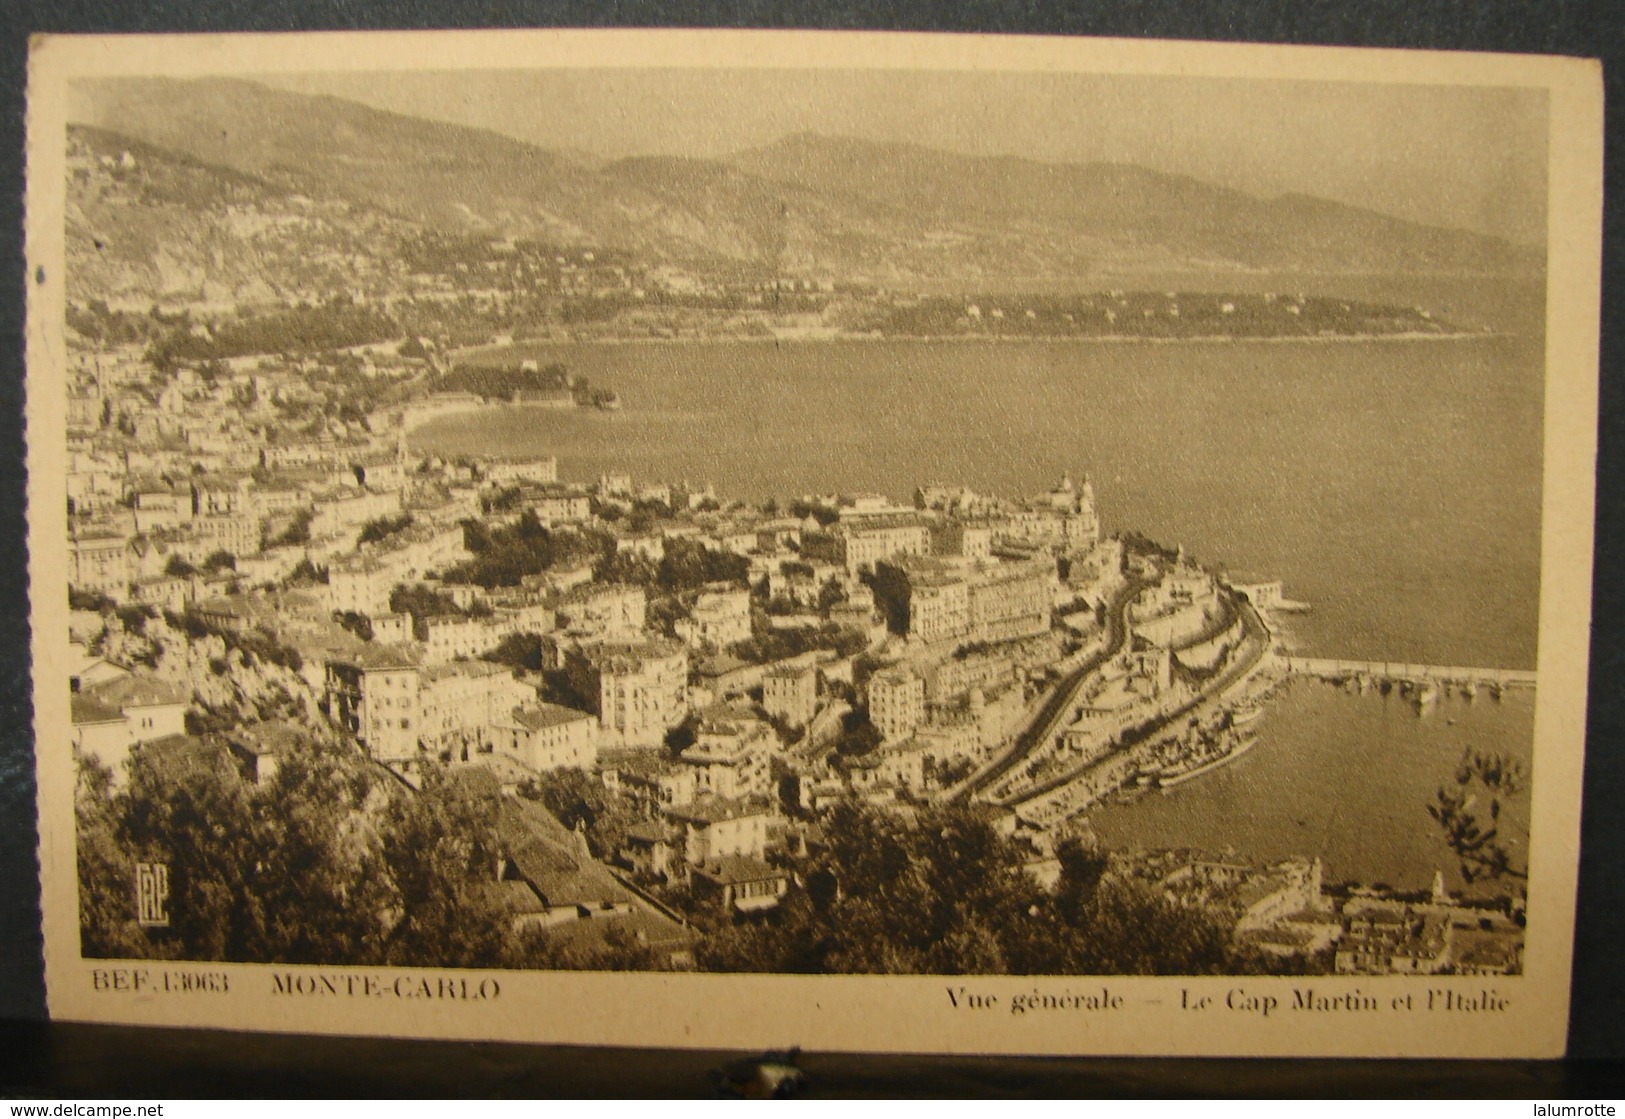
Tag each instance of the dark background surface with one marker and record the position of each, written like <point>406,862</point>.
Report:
<point>73,1060</point>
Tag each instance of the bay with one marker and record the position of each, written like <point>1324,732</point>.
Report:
<point>1394,484</point>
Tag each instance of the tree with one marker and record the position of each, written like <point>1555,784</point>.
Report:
<point>768,644</point>
<point>95,601</point>
<point>135,616</point>
<point>689,565</point>
<point>946,894</point>
<point>329,862</point>
<point>358,624</point>
<point>382,528</point>
<point>191,811</point>
<point>107,927</point>
<point>442,848</point>
<point>832,593</point>
<point>220,560</point>
<point>579,799</point>
<point>178,568</point>
<point>298,531</point>
<point>1476,839</point>
<point>307,574</point>
<point>624,567</point>
<point>327,891</point>
<point>858,736</point>
<point>505,556</point>
<point>421,602</point>
<point>520,650</point>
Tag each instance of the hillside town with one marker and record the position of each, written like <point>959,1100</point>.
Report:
<point>666,695</point>
<point>631,721</point>
<point>247,261</point>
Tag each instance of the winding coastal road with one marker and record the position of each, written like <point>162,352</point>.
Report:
<point>1045,723</point>
<point>1256,644</point>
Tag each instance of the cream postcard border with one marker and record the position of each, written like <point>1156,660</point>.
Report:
<point>840,1013</point>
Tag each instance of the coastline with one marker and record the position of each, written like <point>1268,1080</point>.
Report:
<point>1208,767</point>
<point>472,352</point>
<point>412,420</point>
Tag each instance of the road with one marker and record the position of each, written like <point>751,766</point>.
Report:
<point>1256,644</point>
<point>1045,723</point>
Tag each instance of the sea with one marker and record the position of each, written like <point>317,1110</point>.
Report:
<point>1394,485</point>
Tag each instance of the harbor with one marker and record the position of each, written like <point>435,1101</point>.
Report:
<point>1332,774</point>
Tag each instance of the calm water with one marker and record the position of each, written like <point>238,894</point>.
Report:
<point>1342,776</point>
<point>1396,485</point>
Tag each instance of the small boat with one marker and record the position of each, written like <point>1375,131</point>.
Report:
<point>1246,713</point>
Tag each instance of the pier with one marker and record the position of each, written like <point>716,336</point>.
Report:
<point>1399,672</point>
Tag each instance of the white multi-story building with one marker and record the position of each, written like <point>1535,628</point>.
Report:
<point>101,562</point>
<point>965,600</point>
<point>790,692</point>
<point>112,717</point>
<point>601,612</point>
<point>545,736</point>
<point>1063,518</point>
<point>714,827</point>
<point>563,506</point>
<point>235,533</point>
<point>896,703</point>
<point>374,695</point>
<point>390,629</point>
<point>449,637</point>
<point>641,688</point>
<point>345,509</point>
<point>420,549</point>
<point>461,704</point>
<point>360,585</point>
<point>966,539</point>
<point>512,471</point>
<point>861,545</point>
<point>732,752</point>
<point>720,618</point>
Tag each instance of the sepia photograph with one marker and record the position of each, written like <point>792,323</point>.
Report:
<point>1104,544</point>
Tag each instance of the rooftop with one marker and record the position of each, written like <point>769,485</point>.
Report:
<point>87,711</point>
<point>714,809</point>
<point>378,658</point>
<point>542,715</point>
<point>480,669</point>
<point>137,691</point>
<point>272,736</point>
<point>731,870</point>
<point>545,855</point>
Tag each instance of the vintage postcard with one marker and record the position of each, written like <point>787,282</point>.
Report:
<point>858,541</point>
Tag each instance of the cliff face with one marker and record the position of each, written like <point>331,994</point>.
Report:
<point>145,225</point>
<point>229,686</point>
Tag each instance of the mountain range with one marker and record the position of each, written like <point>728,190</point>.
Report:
<point>807,205</point>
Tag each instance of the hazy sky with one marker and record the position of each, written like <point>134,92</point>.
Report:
<point>1468,157</point>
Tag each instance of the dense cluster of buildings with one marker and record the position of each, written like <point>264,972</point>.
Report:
<point>1285,910</point>
<point>258,562</point>
<point>868,649</point>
